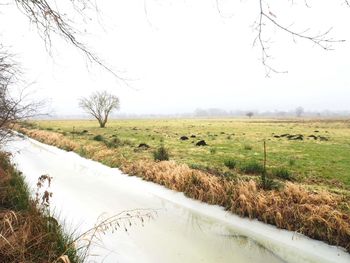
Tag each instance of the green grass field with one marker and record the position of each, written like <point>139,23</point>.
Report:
<point>324,161</point>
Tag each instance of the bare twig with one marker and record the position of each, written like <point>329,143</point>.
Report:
<point>266,17</point>
<point>50,20</point>
<point>121,221</point>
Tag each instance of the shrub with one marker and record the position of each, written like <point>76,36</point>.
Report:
<point>161,154</point>
<point>230,163</point>
<point>98,138</point>
<point>282,173</point>
<point>252,168</point>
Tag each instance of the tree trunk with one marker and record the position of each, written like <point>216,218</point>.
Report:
<point>102,123</point>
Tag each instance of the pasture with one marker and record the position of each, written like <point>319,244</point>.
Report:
<point>313,152</point>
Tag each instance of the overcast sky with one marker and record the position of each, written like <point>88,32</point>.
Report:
<point>183,55</point>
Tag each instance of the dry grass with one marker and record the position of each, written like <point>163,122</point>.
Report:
<point>26,233</point>
<point>315,214</point>
<point>100,153</point>
<point>51,138</point>
<point>25,237</point>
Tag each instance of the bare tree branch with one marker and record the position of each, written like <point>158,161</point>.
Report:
<point>49,20</point>
<point>267,17</point>
<point>12,109</point>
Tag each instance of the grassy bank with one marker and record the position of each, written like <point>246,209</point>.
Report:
<point>320,159</point>
<point>322,213</point>
<point>27,233</point>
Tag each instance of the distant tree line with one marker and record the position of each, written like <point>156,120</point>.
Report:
<point>297,112</point>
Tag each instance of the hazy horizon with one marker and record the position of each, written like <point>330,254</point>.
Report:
<point>181,56</point>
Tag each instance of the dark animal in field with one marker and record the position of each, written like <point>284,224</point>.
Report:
<point>183,138</point>
<point>193,136</point>
<point>143,145</point>
<point>201,143</point>
<point>296,137</point>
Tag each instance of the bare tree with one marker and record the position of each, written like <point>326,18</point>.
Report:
<point>100,104</point>
<point>12,108</point>
<point>249,114</point>
<point>299,111</point>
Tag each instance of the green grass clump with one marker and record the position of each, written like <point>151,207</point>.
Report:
<point>230,163</point>
<point>116,142</point>
<point>270,184</point>
<point>247,147</point>
<point>252,168</point>
<point>291,162</point>
<point>161,154</point>
<point>282,173</point>
<point>19,192</point>
<point>98,138</point>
